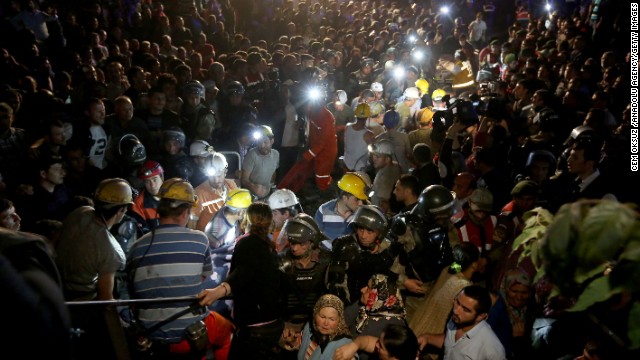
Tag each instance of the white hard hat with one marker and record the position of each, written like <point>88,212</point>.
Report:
<point>389,64</point>
<point>383,147</point>
<point>282,198</point>
<point>342,96</point>
<point>377,87</point>
<point>411,93</point>
<point>217,165</point>
<point>200,148</point>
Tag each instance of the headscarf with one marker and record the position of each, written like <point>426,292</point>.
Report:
<point>511,278</point>
<point>342,330</point>
<point>384,301</point>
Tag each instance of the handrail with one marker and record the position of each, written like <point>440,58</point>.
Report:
<point>125,302</point>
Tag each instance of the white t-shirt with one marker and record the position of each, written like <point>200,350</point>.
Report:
<point>99,146</point>
<point>355,148</point>
<point>477,29</point>
<point>291,135</point>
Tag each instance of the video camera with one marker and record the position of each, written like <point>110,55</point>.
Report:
<point>461,109</point>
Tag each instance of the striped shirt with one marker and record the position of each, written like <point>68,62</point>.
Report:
<point>171,261</point>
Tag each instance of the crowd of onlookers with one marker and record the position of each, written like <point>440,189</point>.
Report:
<point>506,105</point>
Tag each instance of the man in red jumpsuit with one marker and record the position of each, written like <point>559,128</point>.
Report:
<point>321,155</point>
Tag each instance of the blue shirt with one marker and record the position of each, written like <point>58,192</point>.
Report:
<point>171,261</point>
<point>331,223</point>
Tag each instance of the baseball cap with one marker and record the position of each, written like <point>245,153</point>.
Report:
<point>481,199</point>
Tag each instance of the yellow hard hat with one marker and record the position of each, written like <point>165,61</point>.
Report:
<point>423,85</point>
<point>114,191</point>
<point>355,184</point>
<point>239,199</point>
<point>426,115</point>
<point>363,111</point>
<point>438,94</point>
<point>178,191</point>
<point>376,108</point>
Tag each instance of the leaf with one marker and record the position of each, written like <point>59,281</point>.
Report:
<point>527,235</point>
<point>558,234</point>
<point>631,251</point>
<point>597,291</point>
<point>634,326</point>
<point>603,231</point>
<point>539,275</point>
<point>582,276</point>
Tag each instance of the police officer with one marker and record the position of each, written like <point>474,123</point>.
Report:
<point>303,265</point>
<point>426,250</point>
<point>359,255</point>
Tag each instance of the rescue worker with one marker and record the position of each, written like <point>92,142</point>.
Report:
<point>223,230</point>
<point>284,205</point>
<point>234,110</point>
<point>357,256</point>
<point>213,192</point>
<point>304,266</point>
<point>333,216</point>
<point>191,263</point>
<point>145,205</point>
<point>400,140</point>
<point>198,120</point>
<point>425,250</point>
<point>321,156</point>
<point>199,151</point>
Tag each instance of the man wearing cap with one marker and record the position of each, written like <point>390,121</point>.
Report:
<point>199,120</point>
<point>477,224</point>
<point>260,164</point>
<point>387,172</point>
<point>361,79</point>
<point>332,217</point>
<point>186,252</point>
<point>400,140</point>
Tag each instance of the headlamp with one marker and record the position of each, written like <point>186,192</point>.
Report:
<point>314,94</point>
<point>444,10</point>
<point>399,73</point>
<point>412,38</point>
<point>257,135</point>
<point>548,7</point>
<point>418,55</point>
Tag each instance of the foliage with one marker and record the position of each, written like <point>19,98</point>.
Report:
<point>590,251</point>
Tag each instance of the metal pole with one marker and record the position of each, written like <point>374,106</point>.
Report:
<point>126,302</point>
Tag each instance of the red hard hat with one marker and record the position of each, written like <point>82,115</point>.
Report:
<point>150,169</point>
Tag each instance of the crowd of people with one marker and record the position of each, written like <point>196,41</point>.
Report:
<point>319,179</point>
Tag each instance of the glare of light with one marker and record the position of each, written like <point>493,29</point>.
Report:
<point>257,135</point>
<point>418,55</point>
<point>548,7</point>
<point>398,73</point>
<point>412,39</point>
<point>444,10</point>
<point>314,94</point>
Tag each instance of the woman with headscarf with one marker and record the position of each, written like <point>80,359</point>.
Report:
<point>511,316</point>
<point>380,305</point>
<point>327,331</point>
